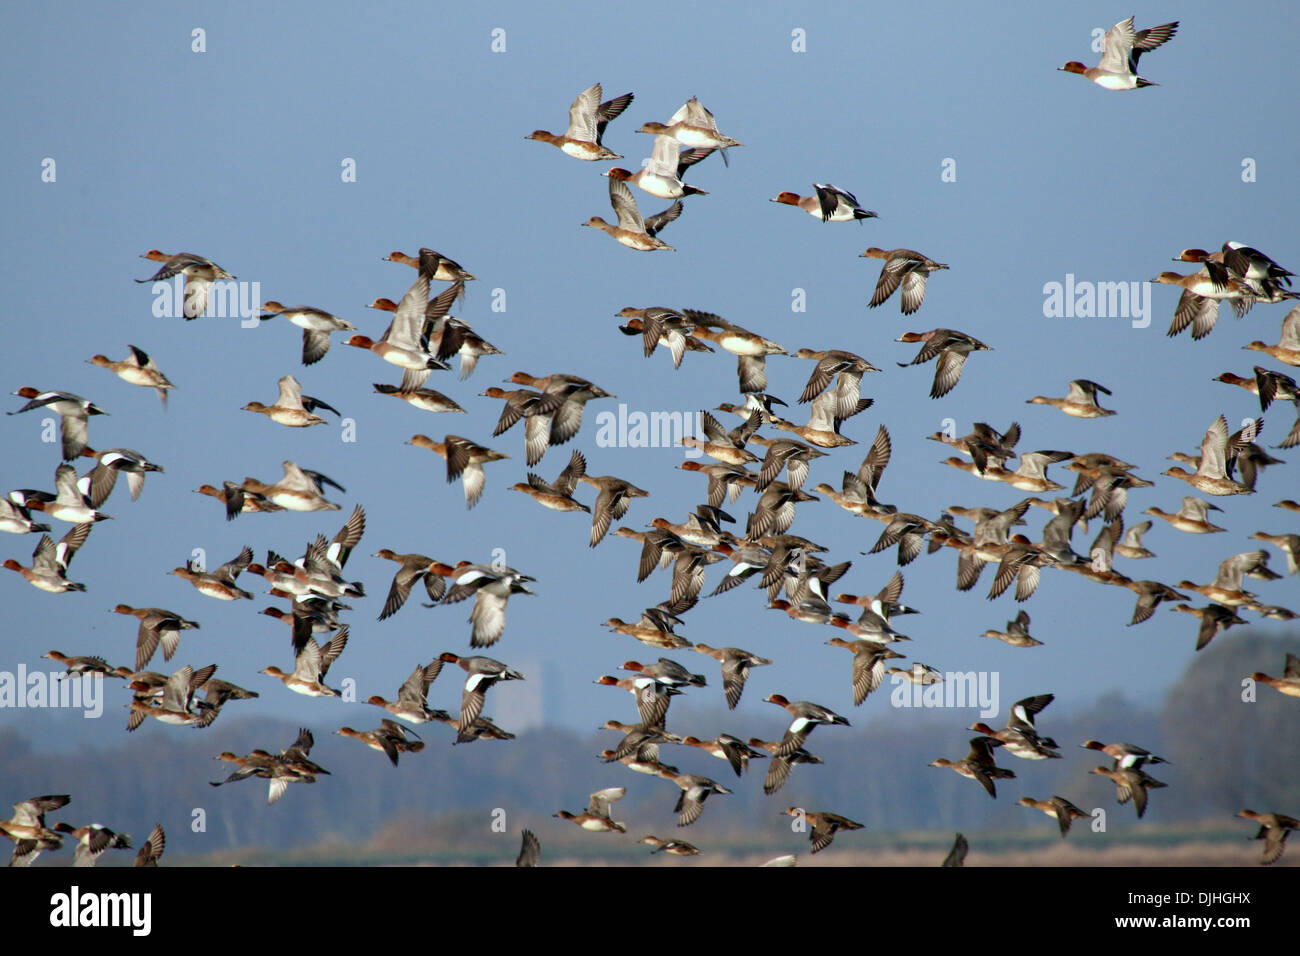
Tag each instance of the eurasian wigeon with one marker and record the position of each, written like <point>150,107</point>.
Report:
<point>695,790</point>
<point>535,409</point>
<point>93,840</point>
<point>632,230</point>
<point>1198,306</point>
<point>316,325</point>
<point>1122,47</point>
<point>292,408</point>
<point>156,626</point>
<point>661,174</point>
<point>412,697</point>
<point>868,665</point>
<point>1130,784</point>
<point>557,495</point>
<point>675,847</point>
<point>199,274</point>
<point>530,850</point>
<point>137,369</point>
<point>693,125</point>
<point>596,817</point>
<point>1274,828</point>
<point>311,665</point>
<point>177,701</point>
<point>465,460</point>
<point>1058,808</point>
<point>1211,476</point>
<point>588,117</point>
<point>807,717</point>
<point>1081,402</point>
<point>829,205</point>
<point>73,411</point>
<point>978,764</point>
<point>425,399</point>
<point>388,738</point>
<point>400,344</point>
<point>50,561</point>
<point>611,504</point>
<point>27,829</point>
<point>905,268</point>
<point>152,848</point>
<point>750,348</point>
<point>1287,349</point>
<point>1016,634</point>
<point>824,826</point>
<point>434,265</point>
<point>951,348</point>
<point>1288,683</point>
<point>298,490</point>
<point>654,628</point>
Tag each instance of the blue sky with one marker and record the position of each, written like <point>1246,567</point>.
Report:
<point>236,153</point>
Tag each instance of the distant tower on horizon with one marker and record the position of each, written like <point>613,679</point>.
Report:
<point>552,687</point>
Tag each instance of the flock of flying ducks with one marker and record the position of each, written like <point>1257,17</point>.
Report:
<point>423,336</point>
